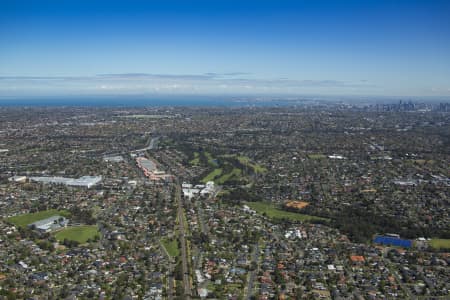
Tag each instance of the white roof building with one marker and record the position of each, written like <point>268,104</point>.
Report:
<point>85,181</point>
<point>49,224</point>
<point>115,158</point>
<point>18,178</point>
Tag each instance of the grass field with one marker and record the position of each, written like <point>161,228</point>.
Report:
<point>211,176</point>
<point>24,220</point>
<point>171,247</point>
<point>440,243</point>
<point>272,212</point>
<point>78,233</point>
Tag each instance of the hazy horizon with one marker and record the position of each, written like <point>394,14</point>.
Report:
<point>225,48</point>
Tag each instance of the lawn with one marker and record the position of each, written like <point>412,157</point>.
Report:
<point>440,243</point>
<point>212,175</point>
<point>26,219</point>
<point>272,212</point>
<point>171,247</point>
<point>78,233</point>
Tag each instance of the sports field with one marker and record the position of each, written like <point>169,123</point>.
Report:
<point>80,234</point>
<point>440,243</point>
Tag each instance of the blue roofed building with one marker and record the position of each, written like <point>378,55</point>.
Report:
<point>393,241</point>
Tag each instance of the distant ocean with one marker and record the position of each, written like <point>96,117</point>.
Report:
<point>131,101</point>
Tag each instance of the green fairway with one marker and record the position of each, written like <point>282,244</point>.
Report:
<point>211,160</point>
<point>224,171</point>
<point>259,169</point>
<point>235,173</point>
<point>272,212</point>
<point>203,158</point>
<point>78,233</point>
<point>256,167</point>
<point>26,219</point>
<point>440,243</point>
<point>196,160</point>
<point>171,247</point>
<point>211,176</point>
<point>243,159</point>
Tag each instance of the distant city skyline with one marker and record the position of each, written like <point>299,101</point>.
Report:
<point>367,48</point>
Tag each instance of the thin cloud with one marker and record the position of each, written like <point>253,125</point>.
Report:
<point>204,76</point>
<point>232,82</point>
<point>155,76</point>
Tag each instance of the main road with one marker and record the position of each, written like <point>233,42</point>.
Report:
<point>182,236</point>
<point>152,145</point>
<point>252,275</point>
<point>170,278</point>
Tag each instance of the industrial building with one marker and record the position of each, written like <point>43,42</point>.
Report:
<point>50,224</point>
<point>85,181</point>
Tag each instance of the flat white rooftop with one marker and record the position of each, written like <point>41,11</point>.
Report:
<point>115,158</point>
<point>85,181</point>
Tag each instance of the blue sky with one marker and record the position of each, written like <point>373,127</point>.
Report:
<point>88,47</point>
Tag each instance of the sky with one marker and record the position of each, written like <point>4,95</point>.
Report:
<point>315,47</point>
